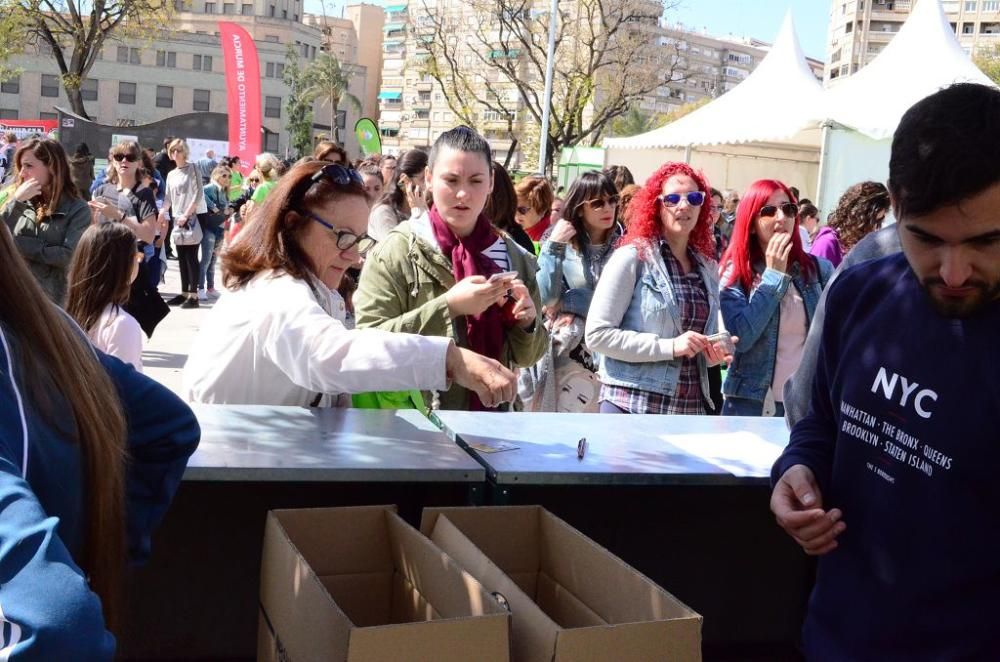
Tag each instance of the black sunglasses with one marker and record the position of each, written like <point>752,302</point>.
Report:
<point>125,157</point>
<point>694,198</point>
<point>597,204</point>
<point>789,209</point>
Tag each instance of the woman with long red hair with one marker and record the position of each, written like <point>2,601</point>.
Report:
<point>657,302</point>
<point>770,289</point>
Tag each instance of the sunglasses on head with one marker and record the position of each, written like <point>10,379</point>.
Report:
<point>597,204</point>
<point>694,198</point>
<point>125,157</point>
<point>789,209</point>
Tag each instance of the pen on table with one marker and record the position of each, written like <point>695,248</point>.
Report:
<point>581,447</point>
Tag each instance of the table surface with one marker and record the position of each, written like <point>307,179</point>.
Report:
<point>621,450</point>
<point>262,443</point>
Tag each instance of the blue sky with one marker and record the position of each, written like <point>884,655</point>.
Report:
<point>743,18</point>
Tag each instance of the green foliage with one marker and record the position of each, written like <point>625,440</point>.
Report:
<point>988,61</point>
<point>298,104</point>
<point>327,80</point>
<point>635,122</point>
<point>12,25</point>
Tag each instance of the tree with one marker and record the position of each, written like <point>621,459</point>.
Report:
<point>298,104</point>
<point>11,37</point>
<point>328,80</point>
<point>634,122</point>
<point>76,30</point>
<point>988,61</point>
<point>489,59</point>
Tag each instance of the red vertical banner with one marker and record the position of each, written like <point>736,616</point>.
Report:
<point>243,100</point>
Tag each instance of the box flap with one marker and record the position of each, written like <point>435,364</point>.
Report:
<point>339,541</point>
<point>615,591</point>
<point>365,598</point>
<point>562,606</point>
<point>451,590</point>
<point>305,619</point>
<point>483,638</point>
<point>533,634</point>
<point>508,535</point>
<point>408,605</point>
<point>669,641</point>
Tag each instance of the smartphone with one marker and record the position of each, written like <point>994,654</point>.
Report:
<point>723,339</point>
<point>505,275</point>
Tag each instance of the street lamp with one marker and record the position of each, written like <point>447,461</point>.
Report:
<point>550,62</point>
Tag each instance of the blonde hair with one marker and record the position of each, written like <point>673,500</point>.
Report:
<point>268,166</point>
<point>178,144</point>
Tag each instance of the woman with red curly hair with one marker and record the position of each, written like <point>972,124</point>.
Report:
<point>770,288</point>
<point>657,300</point>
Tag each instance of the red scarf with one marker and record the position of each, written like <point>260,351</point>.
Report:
<point>484,332</point>
<point>538,229</point>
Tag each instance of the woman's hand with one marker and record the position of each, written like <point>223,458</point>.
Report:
<point>415,195</point>
<point>28,190</point>
<point>562,232</point>
<point>689,344</point>
<point>717,353</point>
<point>181,220</point>
<point>110,212</point>
<point>778,250</point>
<point>473,295</point>
<point>523,312</point>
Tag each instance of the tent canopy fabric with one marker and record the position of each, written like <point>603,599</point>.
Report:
<point>921,59</point>
<point>779,99</point>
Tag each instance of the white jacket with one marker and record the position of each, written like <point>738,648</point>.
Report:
<point>281,341</point>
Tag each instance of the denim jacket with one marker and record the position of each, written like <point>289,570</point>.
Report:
<point>754,319</point>
<point>634,332</point>
<point>567,276</point>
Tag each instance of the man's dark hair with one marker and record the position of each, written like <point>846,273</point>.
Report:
<point>945,148</point>
<point>463,139</point>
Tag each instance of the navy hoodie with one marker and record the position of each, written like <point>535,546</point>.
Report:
<point>903,435</point>
<point>47,610</point>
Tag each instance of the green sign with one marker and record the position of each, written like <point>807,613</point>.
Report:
<point>368,137</point>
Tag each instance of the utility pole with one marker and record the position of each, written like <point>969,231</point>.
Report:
<point>550,63</point>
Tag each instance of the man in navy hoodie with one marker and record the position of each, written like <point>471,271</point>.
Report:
<point>890,478</point>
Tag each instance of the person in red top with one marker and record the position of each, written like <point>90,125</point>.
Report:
<point>534,206</point>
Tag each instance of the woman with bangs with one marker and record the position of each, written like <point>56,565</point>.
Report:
<point>657,302</point>
<point>770,288</point>
<point>45,213</point>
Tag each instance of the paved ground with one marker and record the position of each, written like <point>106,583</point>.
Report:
<point>166,352</point>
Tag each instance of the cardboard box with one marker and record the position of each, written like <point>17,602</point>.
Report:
<point>361,585</point>
<point>571,599</point>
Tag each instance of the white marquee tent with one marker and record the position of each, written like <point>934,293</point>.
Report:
<point>864,110</point>
<point>767,126</point>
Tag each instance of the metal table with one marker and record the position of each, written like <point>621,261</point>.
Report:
<point>197,597</point>
<point>684,499</point>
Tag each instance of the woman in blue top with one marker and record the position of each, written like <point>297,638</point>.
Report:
<point>219,208</point>
<point>91,453</point>
<point>769,290</point>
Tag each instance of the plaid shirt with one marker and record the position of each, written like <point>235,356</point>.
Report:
<point>690,291</point>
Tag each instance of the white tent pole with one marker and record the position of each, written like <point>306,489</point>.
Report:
<point>687,154</point>
<point>823,153</point>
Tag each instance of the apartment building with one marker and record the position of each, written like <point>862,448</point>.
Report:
<point>860,29</point>
<point>182,71</point>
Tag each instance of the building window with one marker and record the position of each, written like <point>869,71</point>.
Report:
<point>11,86</point>
<point>48,116</point>
<point>271,142</point>
<point>126,93</point>
<point>123,54</point>
<point>273,38</point>
<point>88,89</point>
<point>271,11</point>
<point>164,96</point>
<point>202,100</point>
<point>209,7</point>
<point>284,14</point>
<point>178,5</point>
<point>991,6</point>
<point>970,5</point>
<point>50,85</point>
<point>134,56</point>
<point>272,107</point>
<point>229,8</point>
<point>274,70</point>
<point>8,113</point>
<point>849,28</point>
<point>201,63</point>
<point>968,28</point>
<point>166,59</point>
<point>246,10</point>
<point>296,18</point>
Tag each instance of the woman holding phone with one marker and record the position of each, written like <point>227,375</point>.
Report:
<point>769,290</point>
<point>657,302</point>
<point>403,195</point>
<point>45,213</point>
<point>449,273</point>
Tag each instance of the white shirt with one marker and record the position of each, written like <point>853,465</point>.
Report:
<point>806,241</point>
<point>276,341</point>
<point>118,334</point>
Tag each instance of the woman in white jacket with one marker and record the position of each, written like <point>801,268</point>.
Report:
<point>277,336</point>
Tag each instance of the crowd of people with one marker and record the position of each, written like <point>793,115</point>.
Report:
<point>437,279</point>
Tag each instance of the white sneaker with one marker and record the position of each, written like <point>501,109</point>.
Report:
<point>202,295</point>
<point>213,293</point>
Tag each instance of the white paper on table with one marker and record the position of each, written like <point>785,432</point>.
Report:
<point>743,454</point>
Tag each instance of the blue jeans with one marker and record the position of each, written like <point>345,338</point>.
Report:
<point>206,268</point>
<point>748,407</point>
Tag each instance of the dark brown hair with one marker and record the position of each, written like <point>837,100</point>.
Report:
<point>857,213</point>
<point>67,386</point>
<point>52,155</point>
<point>128,147</point>
<point>590,185</point>
<point>271,239</point>
<point>100,272</point>
<point>502,203</point>
<point>325,148</point>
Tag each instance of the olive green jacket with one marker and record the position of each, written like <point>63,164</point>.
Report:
<point>403,286</point>
<point>48,246</point>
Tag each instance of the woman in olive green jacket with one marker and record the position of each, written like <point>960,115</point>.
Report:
<point>448,273</point>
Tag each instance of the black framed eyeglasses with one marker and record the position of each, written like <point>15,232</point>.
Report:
<point>694,198</point>
<point>789,209</point>
<point>346,240</point>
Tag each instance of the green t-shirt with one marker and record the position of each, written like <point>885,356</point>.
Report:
<point>262,191</point>
<point>235,185</point>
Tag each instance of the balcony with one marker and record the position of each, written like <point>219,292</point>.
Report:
<point>424,85</point>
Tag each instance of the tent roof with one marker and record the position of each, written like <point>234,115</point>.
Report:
<point>776,101</point>
<point>921,59</point>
